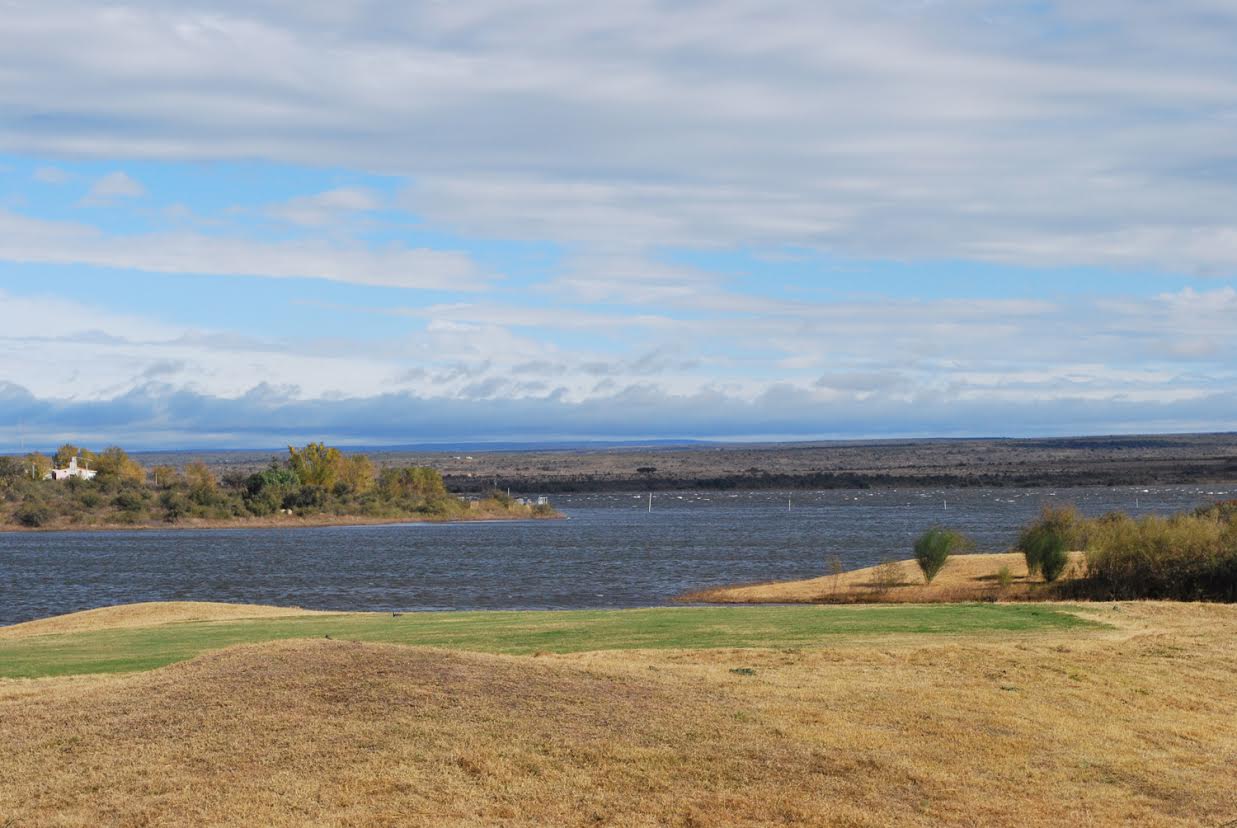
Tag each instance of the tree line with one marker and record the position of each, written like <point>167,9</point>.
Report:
<point>315,479</point>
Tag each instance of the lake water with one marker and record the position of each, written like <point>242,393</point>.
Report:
<point>612,552</point>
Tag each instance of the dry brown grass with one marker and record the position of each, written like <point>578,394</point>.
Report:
<point>964,578</point>
<point>1126,727</point>
<point>144,615</point>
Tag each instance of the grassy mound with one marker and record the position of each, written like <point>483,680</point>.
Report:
<point>323,731</point>
<point>1050,729</point>
<point>148,614</point>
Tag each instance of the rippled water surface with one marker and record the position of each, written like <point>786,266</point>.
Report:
<point>611,552</point>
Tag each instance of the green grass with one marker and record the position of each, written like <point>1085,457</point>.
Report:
<point>128,650</point>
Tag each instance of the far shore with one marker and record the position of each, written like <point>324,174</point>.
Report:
<point>271,522</point>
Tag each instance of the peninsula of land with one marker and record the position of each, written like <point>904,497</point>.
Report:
<point>314,486</point>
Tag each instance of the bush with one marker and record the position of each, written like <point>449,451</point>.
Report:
<point>89,499</point>
<point>129,502</point>
<point>1054,559</point>
<point>933,549</point>
<point>175,506</point>
<point>887,575</point>
<point>33,515</point>
<point>1183,557</point>
<point>1004,577</point>
<point>1046,543</point>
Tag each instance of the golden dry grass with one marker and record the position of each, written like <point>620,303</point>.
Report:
<point>1128,726</point>
<point>145,615</point>
<point>964,578</point>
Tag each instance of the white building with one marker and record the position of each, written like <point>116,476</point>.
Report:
<point>73,470</point>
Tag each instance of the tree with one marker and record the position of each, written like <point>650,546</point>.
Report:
<point>933,548</point>
<point>316,464</point>
<point>199,477</point>
<point>37,465</point>
<point>1045,543</point>
<point>64,454</point>
<point>165,476</point>
<point>267,490</point>
<point>412,483</point>
<point>115,464</point>
<point>358,473</point>
<point>202,483</point>
<point>85,457</point>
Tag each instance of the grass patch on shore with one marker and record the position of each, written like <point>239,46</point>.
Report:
<point>522,633</point>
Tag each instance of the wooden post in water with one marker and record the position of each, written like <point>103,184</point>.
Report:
<point>650,502</point>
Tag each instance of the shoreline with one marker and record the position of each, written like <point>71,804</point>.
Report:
<point>966,578</point>
<point>281,522</point>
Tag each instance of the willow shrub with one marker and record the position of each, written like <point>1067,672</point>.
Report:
<point>933,548</point>
<point>1046,543</point>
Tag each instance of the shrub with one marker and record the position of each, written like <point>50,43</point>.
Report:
<point>175,506</point>
<point>32,515</point>
<point>933,549</point>
<point>836,568</point>
<point>1046,543</point>
<point>128,501</point>
<point>1054,559</point>
<point>307,497</point>
<point>887,575</point>
<point>1183,557</point>
<point>88,498</point>
<point>1004,577</point>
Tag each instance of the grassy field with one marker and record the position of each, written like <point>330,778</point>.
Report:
<point>128,649</point>
<point>1029,715</point>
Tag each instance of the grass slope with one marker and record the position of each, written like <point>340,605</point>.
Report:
<point>130,649</point>
<point>1125,725</point>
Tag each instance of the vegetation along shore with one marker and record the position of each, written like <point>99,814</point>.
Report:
<point>314,486</point>
<point>1062,555</point>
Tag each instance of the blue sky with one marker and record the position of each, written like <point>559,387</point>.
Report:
<point>236,224</point>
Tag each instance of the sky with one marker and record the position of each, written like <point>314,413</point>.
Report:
<point>241,224</point>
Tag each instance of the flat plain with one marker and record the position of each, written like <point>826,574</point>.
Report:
<point>1103,714</point>
<point>1081,461</point>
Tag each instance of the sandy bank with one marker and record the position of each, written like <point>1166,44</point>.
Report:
<point>964,578</point>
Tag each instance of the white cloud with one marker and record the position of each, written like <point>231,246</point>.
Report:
<point>1095,133</point>
<point>896,352</point>
<point>51,175</point>
<point>25,239</point>
<point>111,188</point>
<point>326,207</point>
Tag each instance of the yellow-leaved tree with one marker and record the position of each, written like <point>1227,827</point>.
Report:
<point>358,473</point>
<point>316,464</point>
<point>114,463</point>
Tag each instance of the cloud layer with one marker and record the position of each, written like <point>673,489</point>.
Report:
<point>1057,133</point>
<point>543,218</point>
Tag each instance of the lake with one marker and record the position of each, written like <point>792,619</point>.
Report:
<point>611,552</point>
